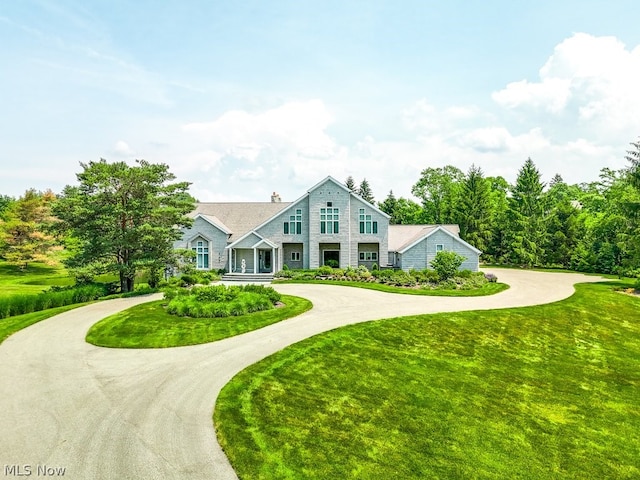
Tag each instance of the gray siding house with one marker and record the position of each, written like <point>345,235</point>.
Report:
<point>327,225</point>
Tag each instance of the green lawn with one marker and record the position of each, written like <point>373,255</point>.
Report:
<point>547,392</point>
<point>486,289</point>
<point>36,278</point>
<point>149,326</point>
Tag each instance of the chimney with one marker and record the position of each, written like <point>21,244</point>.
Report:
<point>275,197</point>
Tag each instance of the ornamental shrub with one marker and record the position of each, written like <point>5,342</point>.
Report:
<point>447,263</point>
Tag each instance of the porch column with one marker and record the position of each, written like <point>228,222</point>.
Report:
<point>255,260</point>
<point>273,260</point>
<point>230,264</point>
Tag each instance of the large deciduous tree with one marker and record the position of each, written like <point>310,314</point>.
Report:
<point>439,188</point>
<point>124,217</point>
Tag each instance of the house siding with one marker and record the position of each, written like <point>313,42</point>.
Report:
<point>274,231</point>
<point>218,257</point>
<point>311,243</point>
<point>422,253</point>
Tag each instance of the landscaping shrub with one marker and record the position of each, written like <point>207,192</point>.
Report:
<point>220,301</point>
<point>490,277</point>
<point>54,297</point>
<point>325,270</point>
<point>447,263</point>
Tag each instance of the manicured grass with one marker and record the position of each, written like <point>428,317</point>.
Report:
<point>547,392</point>
<point>486,289</point>
<point>150,326</point>
<point>10,325</point>
<point>36,278</point>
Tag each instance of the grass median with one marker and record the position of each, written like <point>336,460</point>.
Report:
<point>150,326</point>
<point>541,392</point>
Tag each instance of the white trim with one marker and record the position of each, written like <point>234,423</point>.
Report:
<point>232,245</point>
<point>265,241</point>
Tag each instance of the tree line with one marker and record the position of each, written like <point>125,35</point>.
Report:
<point>122,219</point>
<point>588,227</point>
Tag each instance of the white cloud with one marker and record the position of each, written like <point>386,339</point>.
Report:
<point>590,82</point>
<point>122,149</point>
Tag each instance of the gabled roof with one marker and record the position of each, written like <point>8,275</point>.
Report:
<point>403,237</point>
<point>213,220</point>
<point>346,189</point>
<point>238,218</point>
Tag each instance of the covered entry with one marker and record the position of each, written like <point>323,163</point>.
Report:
<point>252,254</point>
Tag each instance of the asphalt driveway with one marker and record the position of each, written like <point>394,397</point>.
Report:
<point>146,414</point>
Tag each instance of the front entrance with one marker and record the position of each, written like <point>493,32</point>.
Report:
<point>264,261</point>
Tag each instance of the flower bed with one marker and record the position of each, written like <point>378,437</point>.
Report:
<point>416,279</point>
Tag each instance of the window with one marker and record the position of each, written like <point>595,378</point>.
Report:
<point>202,255</point>
<point>294,225</point>
<point>368,256</point>
<point>366,224</point>
<point>295,256</point>
<point>329,220</point>
<point>439,247</point>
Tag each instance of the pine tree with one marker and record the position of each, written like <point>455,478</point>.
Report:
<point>365,191</point>
<point>25,236</point>
<point>474,209</point>
<point>389,207</point>
<point>527,217</point>
<point>350,184</point>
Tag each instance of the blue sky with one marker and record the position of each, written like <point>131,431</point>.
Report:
<point>244,98</point>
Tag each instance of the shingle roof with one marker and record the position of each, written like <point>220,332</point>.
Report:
<point>401,236</point>
<point>239,217</point>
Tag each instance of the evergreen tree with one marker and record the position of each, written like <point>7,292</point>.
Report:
<point>389,206</point>
<point>526,215</point>
<point>498,250</point>
<point>124,217</point>
<point>365,191</point>
<point>25,235</point>
<point>350,184</point>
<point>474,209</point>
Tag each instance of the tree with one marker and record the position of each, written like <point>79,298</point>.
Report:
<point>526,217</point>
<point>401,210</point>
<point>439,188</point>
<point>124,217</point>
<point>474,209</point>
<point>365,191</point>
<point>5,203</point>
<point>25,235</point>
<point>498,249</point>
<point>389,206</point>
<point>350,184</point>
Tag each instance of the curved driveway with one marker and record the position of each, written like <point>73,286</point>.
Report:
<point>146,414</point>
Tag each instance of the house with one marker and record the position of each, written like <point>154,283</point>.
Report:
<point>328,225</point>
